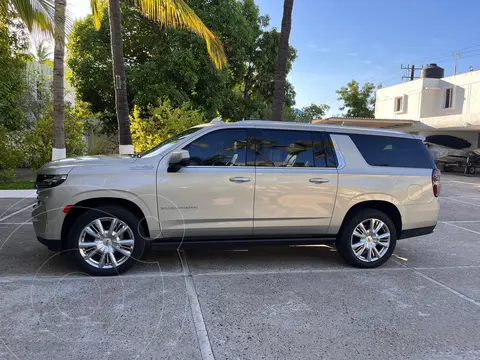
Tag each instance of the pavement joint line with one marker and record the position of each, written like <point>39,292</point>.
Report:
<point>16,213</point>
<point>460,201</point>
<point>460,222</point>
<point>463,228</point>
<point>198,321</point>
<point>438,283</point>
<point>20,223</point>
<point>12,278</point>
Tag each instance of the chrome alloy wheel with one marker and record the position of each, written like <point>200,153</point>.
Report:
<point>370,240</point>
<point>106,243</point>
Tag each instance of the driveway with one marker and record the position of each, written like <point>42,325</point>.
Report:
<point>262,303</point>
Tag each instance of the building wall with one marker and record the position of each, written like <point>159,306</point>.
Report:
<point>425,99</point>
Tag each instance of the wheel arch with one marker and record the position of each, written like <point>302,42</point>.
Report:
<point>84,205</point>
<point>388,208</point>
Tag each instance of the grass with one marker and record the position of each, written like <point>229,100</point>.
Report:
<point>16,185</point>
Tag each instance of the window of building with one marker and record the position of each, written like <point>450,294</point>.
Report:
<point>448,99</point>
<point>219,148</point>
<point>393,151</point>
<point>399,104</point>
<point>282,148</point>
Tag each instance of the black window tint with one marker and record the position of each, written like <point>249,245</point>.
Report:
<point>392,151</point>
<point>323,150</point>
<point>284,148</point>
<point>219,148</point>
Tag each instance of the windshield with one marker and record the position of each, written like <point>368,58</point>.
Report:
<point>169,142</point>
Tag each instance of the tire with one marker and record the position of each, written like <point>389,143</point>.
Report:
<point>471,170</point>
<point>82,242</point>
<point>346,239</point>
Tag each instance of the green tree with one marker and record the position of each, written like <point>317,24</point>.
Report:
<point>312,112</point>
<point>13,81</point>
<point>281,68</point>
<point>35,14</point>
<point>174,64</point>
<point>170,13</point>
<point>359,102</point>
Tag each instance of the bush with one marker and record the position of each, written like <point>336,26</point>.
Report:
<point>11,154</point>
<point>38,140</point>
<point>164,122</point>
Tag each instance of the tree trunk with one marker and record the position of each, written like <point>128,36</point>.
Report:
<point>281,68</point>
<point>119,78</point>
<point>58,150</point>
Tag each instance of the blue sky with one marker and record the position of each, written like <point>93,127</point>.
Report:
<point>341,40</point>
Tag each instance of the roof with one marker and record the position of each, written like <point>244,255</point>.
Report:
<point>366,122</point>
<point>304,126</point>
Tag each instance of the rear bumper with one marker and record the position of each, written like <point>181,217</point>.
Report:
<point>53,245</point>
<point>417,232</point>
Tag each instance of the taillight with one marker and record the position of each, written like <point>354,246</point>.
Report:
<point>436,182</point>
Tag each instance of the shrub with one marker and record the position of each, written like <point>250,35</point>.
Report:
<point>39,139</point>
<point>11,154</point>
<point>164,122</point>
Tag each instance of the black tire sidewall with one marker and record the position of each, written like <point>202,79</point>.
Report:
<point>115,211</point>
<point>344,238</point>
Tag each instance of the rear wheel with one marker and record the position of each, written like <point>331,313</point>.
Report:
<point>105,241</point>
<point>367,239</point>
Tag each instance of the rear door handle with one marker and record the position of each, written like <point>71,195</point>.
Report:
<point>319,180</point>
<point>240,179</point>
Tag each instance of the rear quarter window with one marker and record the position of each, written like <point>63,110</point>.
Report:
<point>393,151</point>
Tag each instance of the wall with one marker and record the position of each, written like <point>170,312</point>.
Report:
<point>426,97</point>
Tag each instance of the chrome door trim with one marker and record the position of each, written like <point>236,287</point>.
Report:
<point>338,152</point>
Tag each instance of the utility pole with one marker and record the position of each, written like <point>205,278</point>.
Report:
<point>456,56</point>
<point>410,72</point>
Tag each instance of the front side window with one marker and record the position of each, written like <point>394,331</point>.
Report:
<point>448,101</point>
<point>284,148</point>
<point>219,148</point>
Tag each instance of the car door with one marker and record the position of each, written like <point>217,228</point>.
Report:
<point>296,183</point>
<point>213,195</point>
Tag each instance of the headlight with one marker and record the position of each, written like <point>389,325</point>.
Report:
<point>49,181</point>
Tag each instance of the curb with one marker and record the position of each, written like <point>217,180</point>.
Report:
<point>18,194</point>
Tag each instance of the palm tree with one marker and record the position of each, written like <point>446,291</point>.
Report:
<point>173,13</point>
<point>58,149</point>
<point>35,14</point>
<point>278,100</point>
<point>42,52</point>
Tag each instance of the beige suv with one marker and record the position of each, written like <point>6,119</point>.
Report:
<point>243,183</point>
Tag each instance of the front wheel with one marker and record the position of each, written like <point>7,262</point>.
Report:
<point>368,239</point>
<point>106,241</point>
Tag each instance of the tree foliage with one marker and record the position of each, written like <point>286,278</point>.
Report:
<point>359,102</point>
<point>13,81</point>
<point>164,122</point>
<point>174,64</point>
<point>313,111</point>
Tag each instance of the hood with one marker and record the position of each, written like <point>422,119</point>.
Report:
<point>64,166</point>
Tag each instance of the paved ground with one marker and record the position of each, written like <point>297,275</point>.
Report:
<point>280,303</point>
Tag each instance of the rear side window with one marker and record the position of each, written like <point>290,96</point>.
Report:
<point>283,148</point>
<point>393,152</point>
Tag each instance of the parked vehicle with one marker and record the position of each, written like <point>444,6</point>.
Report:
<point>451,152</point>
<point>242,184</point>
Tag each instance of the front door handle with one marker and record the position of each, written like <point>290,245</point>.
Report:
<point>240,179</point>
<point>319,180</point>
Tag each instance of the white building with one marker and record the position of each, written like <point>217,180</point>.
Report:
<point>447,105</point>
<point>427,106</point>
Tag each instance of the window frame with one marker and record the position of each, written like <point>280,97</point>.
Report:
<point>403,104</point>
<point>449,99</point>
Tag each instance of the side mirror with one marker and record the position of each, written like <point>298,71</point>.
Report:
<point>178,159</point>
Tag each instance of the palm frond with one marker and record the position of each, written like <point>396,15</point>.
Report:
<point>96,12</point>
<point>177,14</point>
<point>36,13</point>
